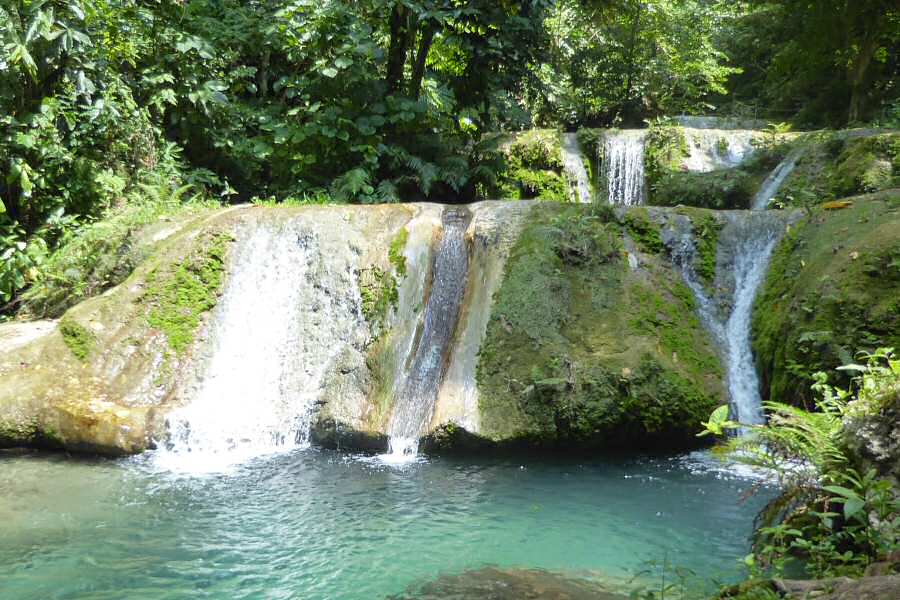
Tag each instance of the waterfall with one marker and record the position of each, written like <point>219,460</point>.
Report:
<point>711,149</point>
<point>746,243</point>
<point>751,240</point>
<point>776,179</point>
<point>573,164</point>
<point>266,355</point>
<point>623,159</point>
<point>415,400</point>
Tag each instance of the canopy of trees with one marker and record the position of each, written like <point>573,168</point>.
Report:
<point>383,100</point>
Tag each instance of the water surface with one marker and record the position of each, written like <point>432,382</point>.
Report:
<point>314,524</point>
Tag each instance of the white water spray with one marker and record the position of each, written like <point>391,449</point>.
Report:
<point>711,149</point>
<point>573,163</point>
<point>269,352</point>
<point>623,160</point>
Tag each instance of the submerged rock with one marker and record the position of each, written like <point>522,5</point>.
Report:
<point>493,583</point>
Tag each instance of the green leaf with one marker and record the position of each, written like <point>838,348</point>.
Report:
<point>329,72</point>
<point>853,506</point>
<point>841,491</point>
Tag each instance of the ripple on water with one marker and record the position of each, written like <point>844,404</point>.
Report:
<point>315,524</point>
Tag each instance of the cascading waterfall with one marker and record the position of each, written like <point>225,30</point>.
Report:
<point>573,164</point>
<point>776,179</point>
<point>746,243</point>
<point>416,397</point>
<point>711,149</point>
<point>266,358</point>
<point>623,160</point>
<point>752,239</point>
<point>745,248</point>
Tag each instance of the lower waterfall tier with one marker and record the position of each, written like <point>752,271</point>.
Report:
<point>575,331</point>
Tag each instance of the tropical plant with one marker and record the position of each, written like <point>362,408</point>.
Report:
<point>837,518</point>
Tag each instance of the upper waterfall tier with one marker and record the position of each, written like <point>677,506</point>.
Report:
<point>711,149</point>
<point>573,163</point>
<point>623,158</point>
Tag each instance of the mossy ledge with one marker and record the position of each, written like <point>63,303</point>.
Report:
<point>179,294</point>
<point>833,289</point>
<point>99,380</point>
<point>582,351</point>
<point>77,338</point>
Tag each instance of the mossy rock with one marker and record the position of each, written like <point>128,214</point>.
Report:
<point>534,167</point>
<point>664,152</point>
<point>77,338</point>
<point>590,353</point>
<point>94,382</point>
<point>724,189</point>
<point>843,163</point>
<point>833,289</point>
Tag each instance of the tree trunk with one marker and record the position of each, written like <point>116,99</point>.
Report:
<point>858,74</point>
<point>632,51</point>
<point>418,74</point>
<point>400,26</point>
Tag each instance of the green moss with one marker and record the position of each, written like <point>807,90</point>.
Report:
<point>395,252</point>
<point>664,152</point>
<point>587,353</point>
<point>534,167</point>
<point>379,292</point>
<point>832,290</point>
<point>29,433</point>
<point>179,295</point>
<point>836,165</point>
<point>78,339</point>
<point>537,149</point>
<point>644,231</point>
<point>721,189</point>
<point>706,232</point>
<point>379,288</point>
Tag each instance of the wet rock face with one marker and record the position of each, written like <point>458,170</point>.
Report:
<point>96,381</point>
<point>830,292</point>
<point>587,349</point>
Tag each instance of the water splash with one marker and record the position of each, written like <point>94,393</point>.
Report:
<point>776,179</point>
<point>267,355</point>
<point>573,164</point>
<point>416,398</point>
<point>623,159</point>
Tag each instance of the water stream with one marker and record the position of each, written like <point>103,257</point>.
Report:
<point>414,403</point>
<point>746,243</point>
<point>776,179</point>
<point>623,160</point>
<point>573,164</point>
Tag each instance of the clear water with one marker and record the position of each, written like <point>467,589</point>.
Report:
<point>314,525</point>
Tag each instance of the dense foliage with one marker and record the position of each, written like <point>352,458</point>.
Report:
<point>838,512</point>
<point>381,100</point>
